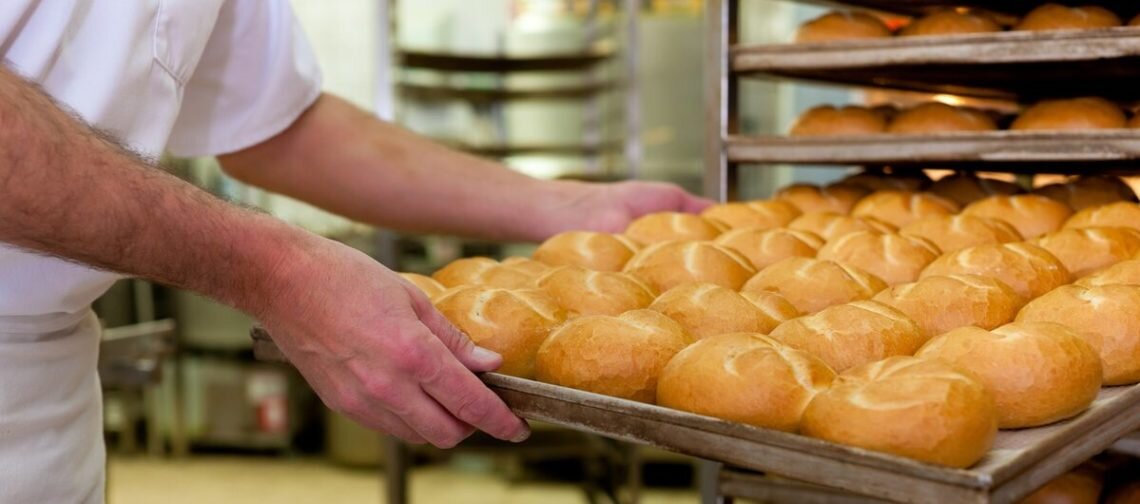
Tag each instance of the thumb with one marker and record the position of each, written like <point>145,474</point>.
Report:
<point>475,358</point>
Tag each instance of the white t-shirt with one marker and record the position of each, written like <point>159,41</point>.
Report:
<point>196,77</point>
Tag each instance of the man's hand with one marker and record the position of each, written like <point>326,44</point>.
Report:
<point>374,349</point>
<point>611,207</point>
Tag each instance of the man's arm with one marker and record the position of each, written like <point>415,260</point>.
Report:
<point>371,345</point>
<point>343,159</point>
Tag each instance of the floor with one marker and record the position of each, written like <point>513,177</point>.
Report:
<point>244,479</point>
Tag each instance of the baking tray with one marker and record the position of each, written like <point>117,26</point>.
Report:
<point>1020,462</point>
<point>1039,150</point>
<point>1027,65</point>
<point>1124,7</point>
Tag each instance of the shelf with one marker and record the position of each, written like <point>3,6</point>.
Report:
<point>1003,65</point>
<point>1124,7</point>
<point>486,95</point>
<point>1065,152</point>
<point>451,62</point>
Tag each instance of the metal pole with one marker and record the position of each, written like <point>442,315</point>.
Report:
<point>720,97</point>
<point>634,153</point>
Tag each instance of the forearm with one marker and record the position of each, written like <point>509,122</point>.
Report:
<point>342,159</point>
<point>66,191</point>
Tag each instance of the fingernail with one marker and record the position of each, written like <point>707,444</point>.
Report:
<point>485,355</point>
<point>522,436</point>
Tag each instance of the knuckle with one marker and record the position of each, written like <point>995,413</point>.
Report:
<point>380,388</point>
<point>473,410</point>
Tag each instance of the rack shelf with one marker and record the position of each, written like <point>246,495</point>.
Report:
<point>1124,7</point>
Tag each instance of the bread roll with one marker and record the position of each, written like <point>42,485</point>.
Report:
<point>939,304</point>
<point>1088,191</point>
<point>1086,250</point>
<point>752,214</point>
<point>893,258</point>
<point>1052,16</point>
<point>936,117</point>
<point>1038,372</point>
<point>1033,215</point>
<point>1135,21</point>
<point>951,233</point>
<point>914,180</point>
<point>670,226</point>
<point>483,271</point>
<point>617,356</point>
<point>899,208</point>
<point>835,198</point>
<point>526,265</point>
<point>1076,114</point>
<point>764,247</point>
<point>511,322</point>
<point>827,120</point>
<point>1082,485</point>
<point>590,250</point>
<point>813,284</point>
<point>1030,270</point>
<point>1123,214</point>
<point>669,264</point>
<point>425,284</point>
<point>951,22</point>
<point>840,25</point>
<point>1128,493</point>
<point>580,291</point>
<point>965,188</point>
<point>1134,121</point>
<point>706,310</point>
<point>831,226</point>
<point>917,408</point>
<point>853,334</point>
<point>1122,273</point>
<point>1108,317</point>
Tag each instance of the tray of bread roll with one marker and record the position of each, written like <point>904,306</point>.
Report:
<point>958,340</point>
<point>1050,51</point>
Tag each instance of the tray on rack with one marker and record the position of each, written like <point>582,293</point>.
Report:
<point>1047,152</point>
<point>1124,7</point>
<point>1004,65</point>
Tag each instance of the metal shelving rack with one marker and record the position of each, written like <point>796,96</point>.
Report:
<point>1009,65</point>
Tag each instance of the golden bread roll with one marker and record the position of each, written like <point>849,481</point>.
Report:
<point>853,334</point>
<point>669,264</point>
<point>1086,250</point>
<point>706,310</point>
<point>813,284</point>
<point>1123,214</point>
<point>936,117</point>
<point>580,291</point>
<point>1033,215</point>
<point>1122,273</point>
<point>965,188</point>
<point>746,378</point>
<point>617,356</point>
<point>939,304</point>
<point>1075,114</point>
<point>922,409</point>
<point>1134,121</point>
<point>831,226</point>
<point>899,208</point>
<point>1030,270</point>
<point>1108,317</point>
<point>1038,372</point>
<point>840,25</point>
<point>1052,16</point>
<point>1082,485</point>
<point>526,265</point>
<point>511,322</point>
<point>752,214</point>
<point>915,180</point>
<point>590,250</point>
<point>828,120</point>
<point>894,258</point>
<point>1128,493</point>
<point>951,22</point>
<point>1088,191</point>
<point>1135,21</point>
<point>425,284</point>
<point>764,247</point>
<point>671,226</point>
<point>483,271</point>
<point>812,198</point>
<point>951,233</point>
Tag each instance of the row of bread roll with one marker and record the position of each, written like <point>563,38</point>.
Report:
<point>846,26</point>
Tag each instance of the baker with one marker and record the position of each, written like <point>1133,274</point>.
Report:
<point>91,91</point>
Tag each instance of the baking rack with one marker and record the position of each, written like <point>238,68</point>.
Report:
<point>1016,66</point>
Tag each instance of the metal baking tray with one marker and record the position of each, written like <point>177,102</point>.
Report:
<point>1040,151</point>
<point>1123,7</point>
<point>1026,65</point>
<point>1020,461</point>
